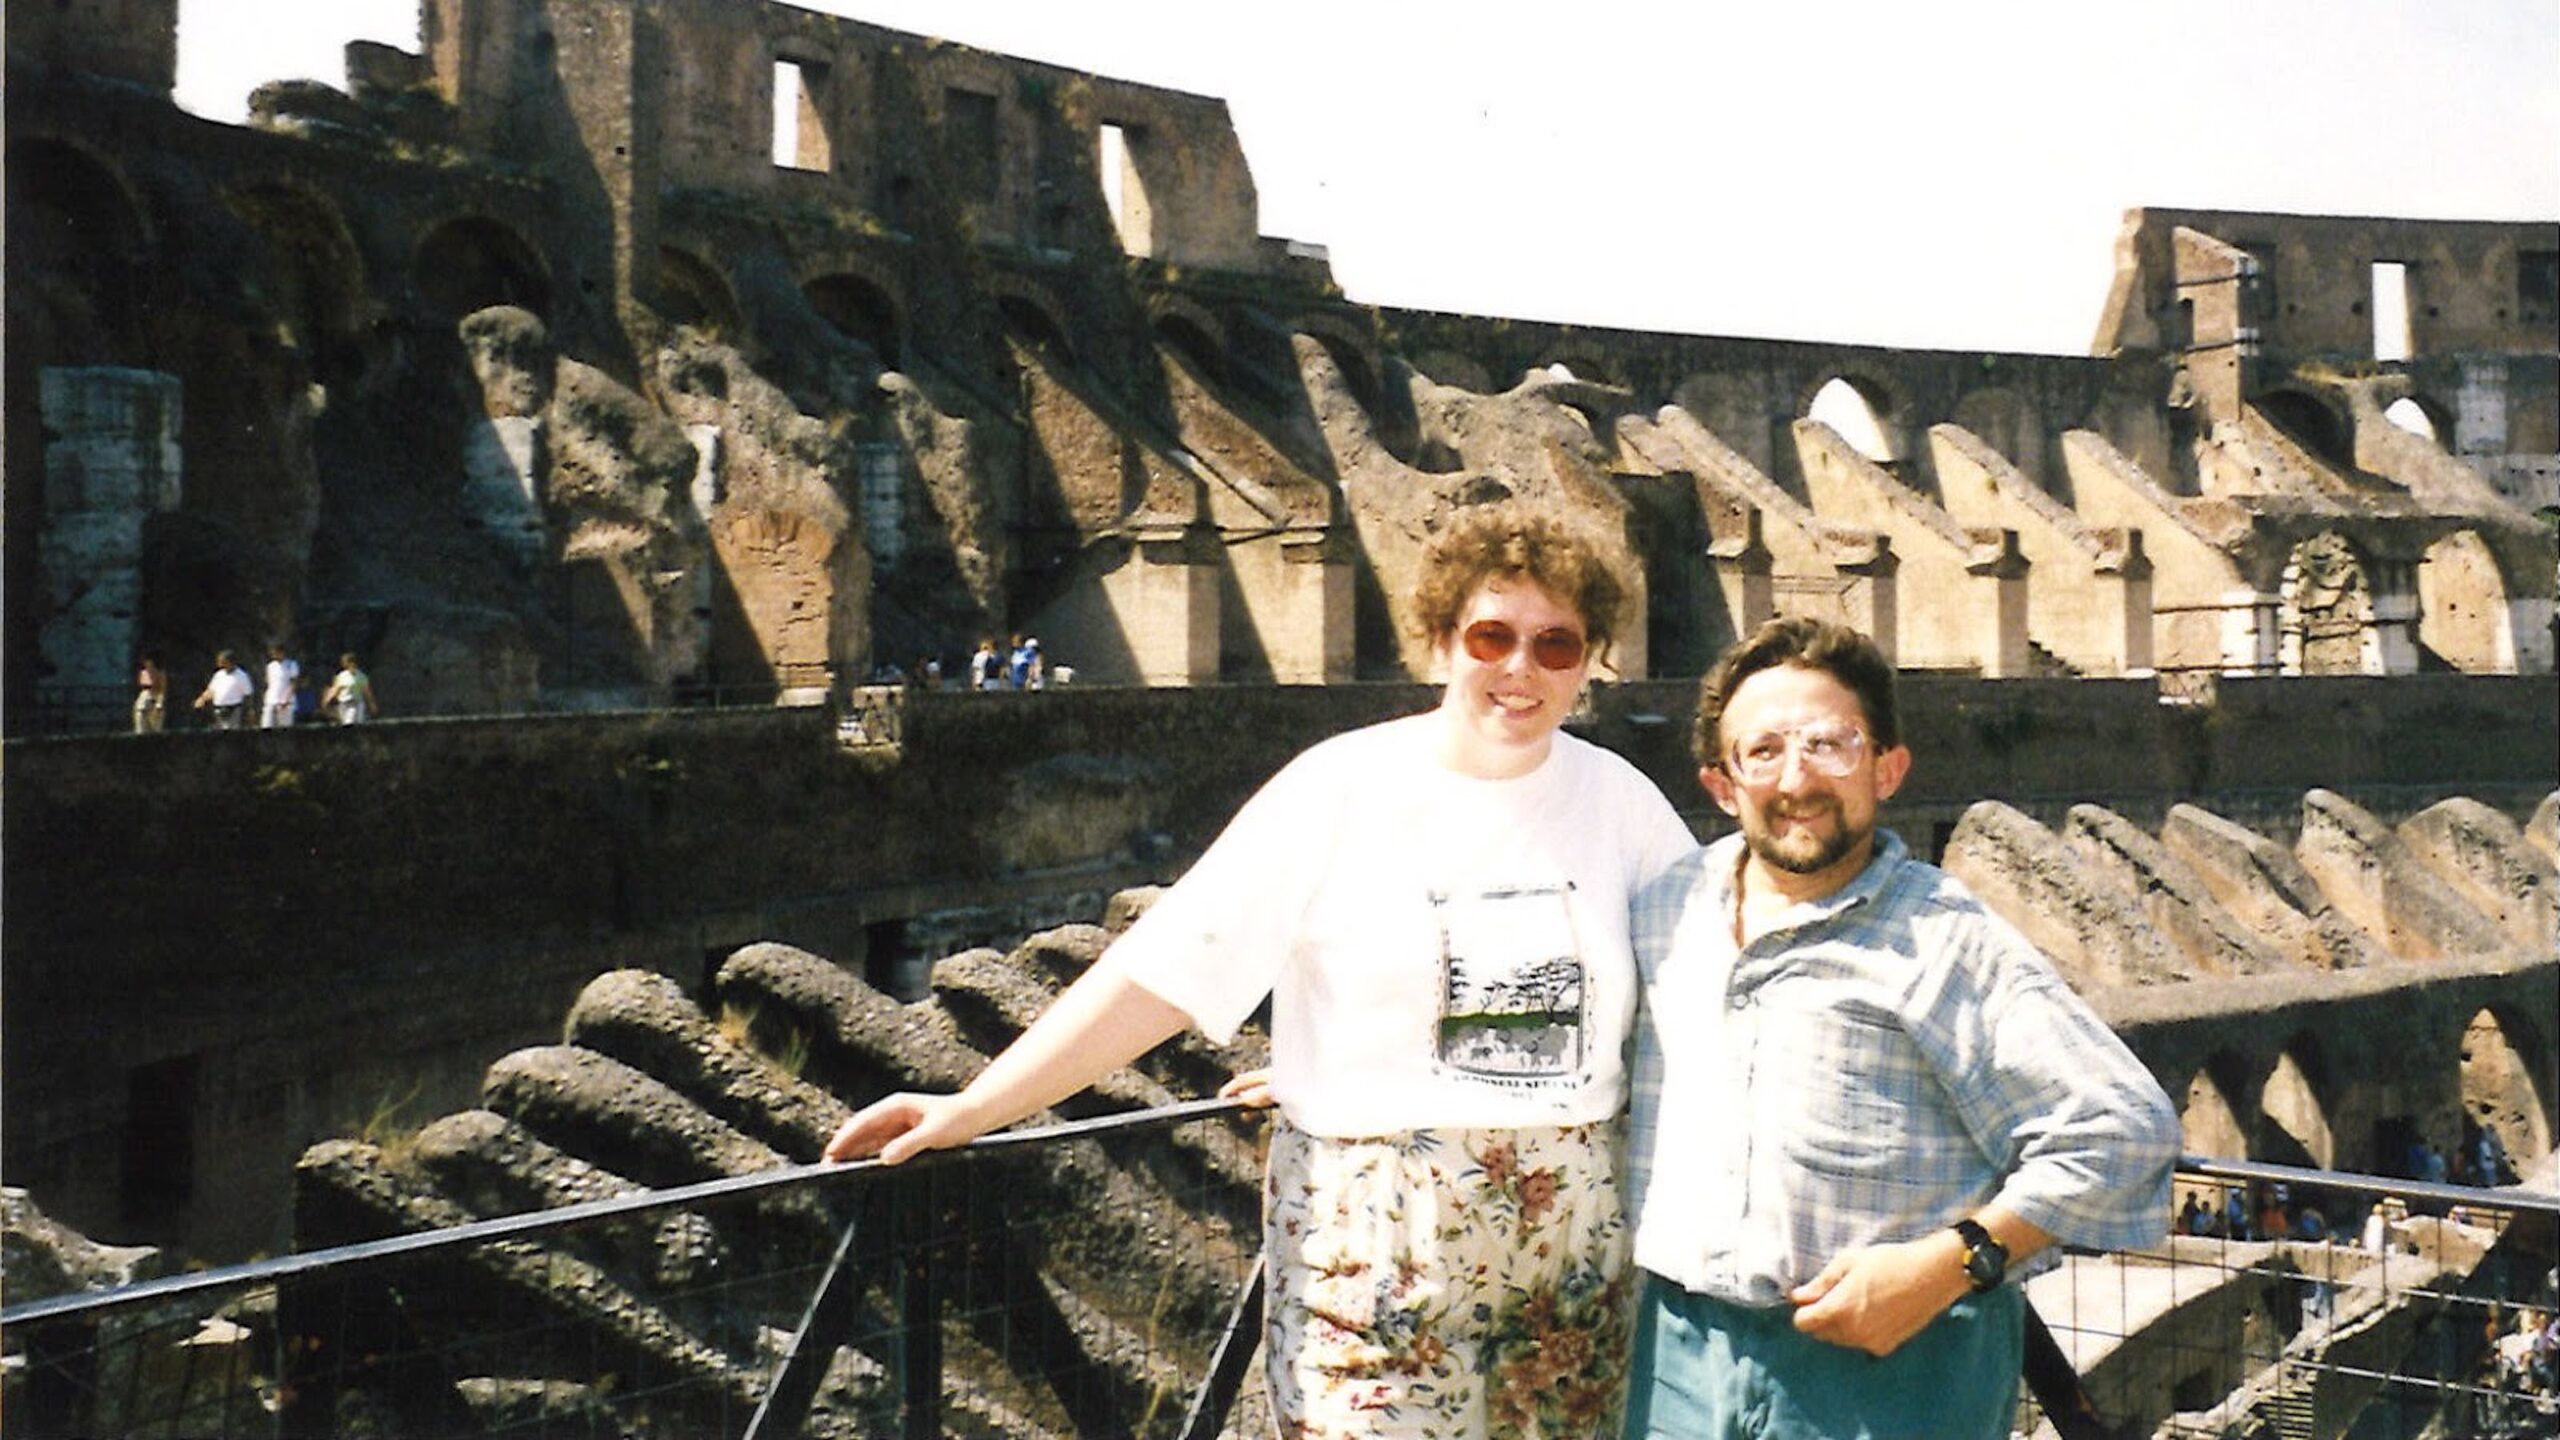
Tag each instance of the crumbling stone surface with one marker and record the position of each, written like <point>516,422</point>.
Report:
<point>1127,905</point>
<point>42,1257</point>
<point>2482,855</point>
<point>640,1126</point>
<point>2377,882</point>
<point>528,1293</point>
<point>2091,928</point>
<point>2266,889</point>
<point>1127,1278</point>
<point>646,1021</point>
<point>493,1166</point>
<point>2171,895</point>
<point>2542,832</point>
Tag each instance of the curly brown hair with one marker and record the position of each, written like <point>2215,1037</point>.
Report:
<point>1565,555</point>
<point>1838,651</point>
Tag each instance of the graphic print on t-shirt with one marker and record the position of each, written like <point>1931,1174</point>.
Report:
<point>1511,985</point>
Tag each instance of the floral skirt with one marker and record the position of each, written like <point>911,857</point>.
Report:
<point>1450,1284</point>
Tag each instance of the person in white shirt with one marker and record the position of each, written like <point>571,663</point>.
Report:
<point>1437,908</point>
<point>284,677</point>
<point>227,693</point>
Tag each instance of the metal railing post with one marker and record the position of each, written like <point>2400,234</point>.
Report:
<point>823,1326</point>
<point>919,1308</point>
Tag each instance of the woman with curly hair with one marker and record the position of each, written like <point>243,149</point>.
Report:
<point>1436,907</point>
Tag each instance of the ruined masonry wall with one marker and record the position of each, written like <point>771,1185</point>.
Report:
<point>111,462</point>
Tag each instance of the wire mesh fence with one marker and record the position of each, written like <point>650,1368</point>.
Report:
<point>1078,1280</point>
<point>2299,1304</point>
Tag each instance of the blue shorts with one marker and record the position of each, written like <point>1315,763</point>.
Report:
<point>1707,1370</point>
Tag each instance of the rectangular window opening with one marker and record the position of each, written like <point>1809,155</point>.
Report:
<point>1123,190</point>
<point>2538,283</point>
<point>2390,310</point>
<point>970,122</point>
<point>158,1177</point>
<point>799,119</point>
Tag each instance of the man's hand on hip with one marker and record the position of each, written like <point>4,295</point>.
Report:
<point>1875,1297</point>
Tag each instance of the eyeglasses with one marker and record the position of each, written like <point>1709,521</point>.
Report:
<point>1829,748</point>
<point>1492,642</point>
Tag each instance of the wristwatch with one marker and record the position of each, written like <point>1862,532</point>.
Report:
<point>1985,1259</point>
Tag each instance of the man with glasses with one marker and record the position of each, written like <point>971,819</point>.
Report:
<point>1862,1103</point>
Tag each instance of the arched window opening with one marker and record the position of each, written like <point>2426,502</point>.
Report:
<point>473,263</point>
<point>2325,619</point>
<point>2206,1124</point>
<point>2296,1128</point>
<point>2463,621</point>
<point>2503,1057</point>
<point>858,310</point>
<point>1853,415</point>
<point>2411,416</point>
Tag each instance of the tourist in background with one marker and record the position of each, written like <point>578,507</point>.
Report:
<point>227,694</point>
<point>986,669</point>
<point>150,697</point>
<point>350,693</point>
<point>284,677</point>
<point>1436,908</point>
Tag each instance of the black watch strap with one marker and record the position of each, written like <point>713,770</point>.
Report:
<point>1986,1260</point>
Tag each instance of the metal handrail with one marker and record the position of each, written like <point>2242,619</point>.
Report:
<point>532,1222</point>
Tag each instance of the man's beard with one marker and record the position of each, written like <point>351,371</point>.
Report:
<point>1804,852</point>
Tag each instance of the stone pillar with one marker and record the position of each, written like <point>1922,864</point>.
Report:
<point>111,461</point>
<point>1998,598</point>
<point>1172,620</point>
<point>1316,567</point>
<point>2121,619</point>
<point>2251,643</point>
<point>2393,648</point>
<point>1871,602</point>
<point>1750,591</point>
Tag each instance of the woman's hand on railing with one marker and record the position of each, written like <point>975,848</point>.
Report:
<point>1253,1087</point>
<point>904,1125</point>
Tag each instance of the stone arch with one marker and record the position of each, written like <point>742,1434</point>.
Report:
<point>2462,605</point>
<point>1031,314</point>
<point>2505,1054</point>
<point>857,308</point>
<point>2421,415</point>
<point>472,262</point>
<point>1448,367</point>
<point>2325,609</point>
<point>2208,1123</point>
<point>2294,1107</point>
<point>693,293</point>
<point>1354,353</point>
<point>1584,365</point>
<point>2314,421</point>
<point>318,272</point>
<point>1862,410</point>
<point>74,218</point>
<point>1193,333</point>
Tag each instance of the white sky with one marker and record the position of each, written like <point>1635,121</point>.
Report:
<point>1949,174</point>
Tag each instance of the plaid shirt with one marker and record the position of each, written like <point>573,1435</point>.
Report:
<point>1886,1060</point>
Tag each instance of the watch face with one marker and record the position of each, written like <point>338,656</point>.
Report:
<point>1985,1264</point>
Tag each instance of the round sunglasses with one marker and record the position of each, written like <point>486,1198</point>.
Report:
<point>1492,641</point>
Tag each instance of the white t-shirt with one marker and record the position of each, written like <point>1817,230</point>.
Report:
<point>1440,951</point>
<point>229,687</point>
<point>282,675</point>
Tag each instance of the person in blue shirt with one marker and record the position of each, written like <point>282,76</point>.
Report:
<point>1864,1107</point>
